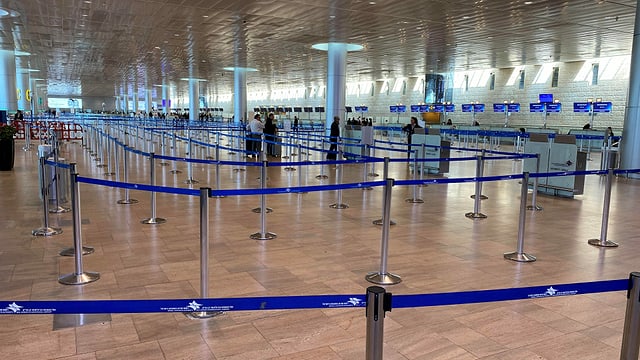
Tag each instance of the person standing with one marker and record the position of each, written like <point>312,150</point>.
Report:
<point>410,129</point>
<point>334,134</point>
<point>295,123</point>
<point>256,128</point>
<point>270,131</point>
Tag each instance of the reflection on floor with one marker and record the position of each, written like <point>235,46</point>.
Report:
<point>318,250</point>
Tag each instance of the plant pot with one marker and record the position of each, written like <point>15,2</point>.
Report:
<point>7,154</point>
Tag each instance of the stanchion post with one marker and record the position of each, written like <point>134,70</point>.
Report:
<point>322,174</point>
<point>204,255</point>
<point>373,172</point>
<point>58,209</point>
<point>127,200</point>
<point>300,167</point>
<point>339,204</point>
<point>631,334</point>
<point>603,242</point>
<point>153,219</point>
<point>480,173</point>
<point>519,255</point>
<point>385,174</point>
<point>476,214</point>
<point>365,167</point>
<point>45,230</point>
<point>414,199</point>
<point>534,197</point>
<point>174,150</point>
<point>218,171</point>
<point>383,277</point>
<point>263,234</point>
<point>163,148</point>
<point>190,180</point>
<point>109,170</point>
<point>378,303</point>
<point>79,276</point>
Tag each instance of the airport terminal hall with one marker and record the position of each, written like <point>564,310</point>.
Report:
<point>309,179</point>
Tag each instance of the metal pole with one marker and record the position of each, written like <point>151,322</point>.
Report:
<point>378,302</point>
<point>385,174</point>
<point>163,148</point>
<point>58,209</point>
<point>204,255</point>
<point>476,214</point>
<point>603,242</point>
<point>218,171</point>
<point>423,166</point>
<point>339,204</point>
<point>631,334</point>
<point>174,145</point>
<point>322,174</point>
<point>382,277</point>
<point>127,199</point>
<point>153,219</point>
<point>373,172</point>
<point>534,197</point>
<point>300,166</point>
<point>45,230</point>
<point>190,179</point>
<point>519,255</point>
<point>365,171</point>
<point>480,173</point>
<point>263,234</point>
<point>109,171</point>
<point>415,199</point>
<point>78,277</point>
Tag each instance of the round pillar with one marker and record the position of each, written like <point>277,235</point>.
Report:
<point>239,95</point>
<point>8,95</point>
<point>336,81</point>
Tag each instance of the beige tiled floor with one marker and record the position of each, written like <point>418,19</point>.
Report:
<point>318,251</point>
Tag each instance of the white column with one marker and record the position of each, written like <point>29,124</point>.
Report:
<point>630,146</point>
<point>8,96</point>
<point>135,98</point>
<point>194,99</point>
<point>239,95</point>
<point>336,82</point>
<point>147,101</point>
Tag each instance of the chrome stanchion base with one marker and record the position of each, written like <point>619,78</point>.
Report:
<point>46,231</point>
<point>102,165</point>
<point>471,215</point>
<point>86,250</point>
<point>109,174</point>
<point>209,158</point>
<point>79,279</point>
<point>152,221</point>
<point>265,236</point>
<point>322,177</point>
<point>59,210</point>
<point>383,279</point>
<point>164,163</point>
<point>190,181</point>
<point>599,243</point>
<point>127,201</point>
<point>284,157</point>
<point>373,174</point>
<point>482,197</point>
<point>367,188</point>
<point>202,314</point>
<point>519,257</point>
<point>176,171</point>
<point>380,222</point>
<point>239,170</point>
<point>339,206</point>
<point>97,159</point>
<point>415,201</point>
<point>534,208</point>
<point>259,210</point>
<point>230,152</point>
<point>289,168</point>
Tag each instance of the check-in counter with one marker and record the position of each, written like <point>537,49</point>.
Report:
<point>435,148</point>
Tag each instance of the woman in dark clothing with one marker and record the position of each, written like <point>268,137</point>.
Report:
<point>270,131</point>
<point>333,138</point>
<point>410,130</point>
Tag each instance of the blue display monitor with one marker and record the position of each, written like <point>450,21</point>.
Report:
<point>364,108</point>
<point>393,108</point>
<point>308,109</point>
<point>478,107</point>
<point>450,108</point>
<point>536,107</point>
<point>402,108</point>
<point>438,108</point>
<point>319,109</point>
<point>515,107</point>
<point>357,108</point>
<point>424,108</point>
<point>467,107</point>
<point>280,109</point>
<point>348,109</point>
<point>500,108</point>
<point>581,107</point>
<point>602,107</point>
<point>545,98</point>
<point>554,107</point>
<point>220,109</point>
<point>415,108</point>
<point>288,109</point>
<point>297,109</point>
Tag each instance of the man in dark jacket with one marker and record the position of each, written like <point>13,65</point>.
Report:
<point>333,138</point>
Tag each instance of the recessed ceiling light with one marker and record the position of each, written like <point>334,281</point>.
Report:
<point>205,16</point>
<point>87,2</point>
<point>84,15</point>
<point>157,47</point>
<point>465,17</point>
<point>372,2</point>
<point>176,34</point>
<point>332,16</point>
<point>528,2</point>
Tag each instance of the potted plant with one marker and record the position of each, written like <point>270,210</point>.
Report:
<point>7,150</point>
